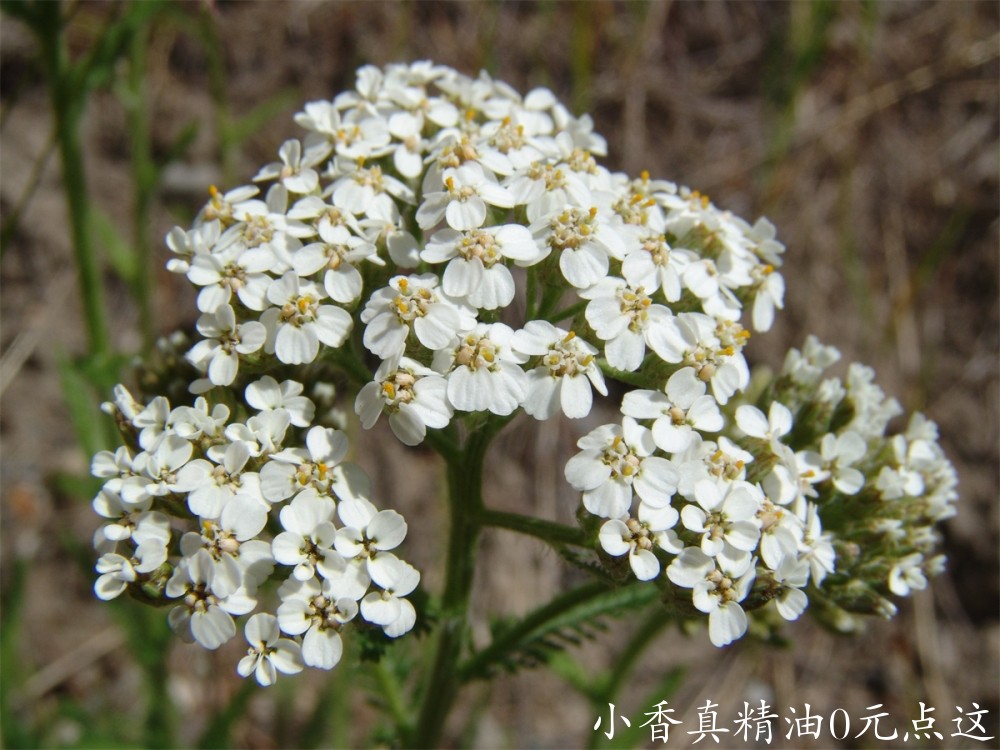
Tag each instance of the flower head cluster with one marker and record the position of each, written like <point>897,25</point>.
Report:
<point>492,183</point>
<point>188,503</point>
<point>451,247</point>
<point>744,521</point>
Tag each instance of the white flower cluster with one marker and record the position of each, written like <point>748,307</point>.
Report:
<point>901,485</point>
<point>666,488</point>
<point>463,241</point>
<point>220,485</point>
<point>491,182</point>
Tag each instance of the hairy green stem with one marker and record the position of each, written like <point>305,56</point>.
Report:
<point>548,531</point>
<point>67,108</point>
<point>388,685</point>
<point>555,608</point>
<point>465,472</point>
<point>144,180</point>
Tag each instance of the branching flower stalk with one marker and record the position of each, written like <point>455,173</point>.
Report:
<point>452,253</point>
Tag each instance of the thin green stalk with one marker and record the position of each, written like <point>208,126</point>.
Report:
<point>67,108</point>
<point>570,311</point>
<point>144,184</point>
<point>549,532</point>
<point>388,685</point>
<point>655,622</point>
<point>555,608</point>
<point>465,471</point>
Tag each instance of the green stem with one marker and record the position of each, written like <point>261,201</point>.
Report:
<point>67,108</point>
<point>388,685</point>
<point>465,471</point>
<point>570,311</point>
<point>555,608</point>
<point>549,532</point>
<point>144,179</point>
<point>655,622</point>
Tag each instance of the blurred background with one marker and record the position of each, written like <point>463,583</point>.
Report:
<point>866,131</point>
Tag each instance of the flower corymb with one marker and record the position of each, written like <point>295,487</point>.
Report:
<point>448,253</point>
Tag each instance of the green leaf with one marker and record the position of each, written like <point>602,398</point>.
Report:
<point>117,251</point>
<point>84,385</point>
<point>567,620</point>
<point>238,130</point>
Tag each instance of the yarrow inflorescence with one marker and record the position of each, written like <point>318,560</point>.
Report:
<point>451,250</point>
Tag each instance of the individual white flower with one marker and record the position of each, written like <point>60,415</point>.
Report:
<point>463,203</point>
<point>298,324</point>
<point>565,374</point>
<point>771,428</point>
<point>212,484</point>
<point>319,465</point>
<point>483,370</point>
<point>224,342</point>
<point>713,281</point>
<point>263,433</point>
<point>269,653</point>
<point>117,571</point>
<point>130,520</point>
<point>388,608</point>
<point>188,244</point>
<point>368,533</point>
<point>267,395</point>
<point>232,268</point>
<point>725,514</point>
<point>412,302</point>
<point>203,615</point>
<point>792,575</point>
<point>628,321</point>
<point>113,467</point>
<point>752,421</point>
<point>317,612</point>
<point>679,410</point>
<point>154,423</point>
<point>714,348</point>
<point>337,254</point>
<point>201,421</point>
<point>408,157</point>
<point>476,270</point>
<point>816,547</point>
<point>769,293</point>
<point>638,537</point>
<point>359,189</point>
<point>225,209</point>
<point>356,136</point>
<point>614,460</point>
<point>806,367</point>
<point>651,263</point>
<point>781,532</point>
<point>156,472</point>
<point>385,227</point>
<point>415,398</point>
<point>716,591</point>
<point>835,458</point>
<point>295,170</point>
<point>308,538</point>
<point>907,575</point>
<point>584,241</point>
<point>239,558</point>
<point>546,189</point>
<point>720,460</point>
